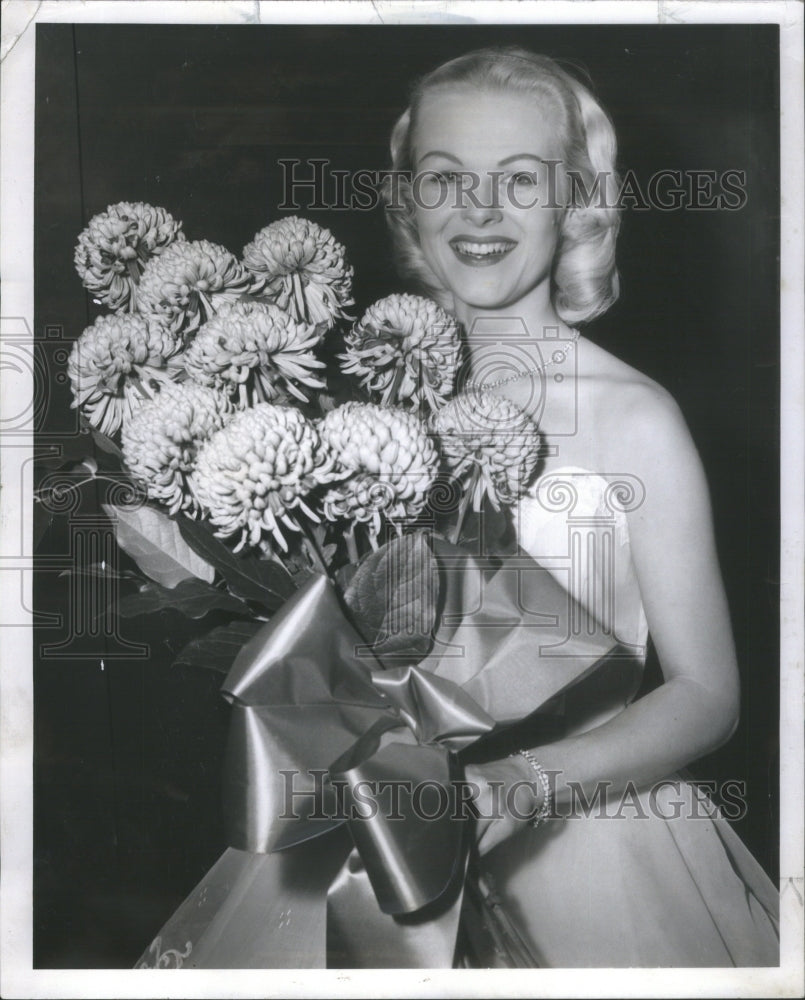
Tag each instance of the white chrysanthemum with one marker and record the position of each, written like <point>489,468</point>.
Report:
<point>188,283</point>
<point>305,269</point>
<point>253,474</point>
<point>117,244</point>
<point>258,348</point>
<point>161,439</point>
<point>405,348</point>
<point>116,364</point>
<point>387,458</point>
<point>485,432</point>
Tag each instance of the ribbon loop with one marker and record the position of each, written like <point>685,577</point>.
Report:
<point>404,821</point>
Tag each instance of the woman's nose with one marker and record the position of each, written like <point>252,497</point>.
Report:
<point>481,202</point>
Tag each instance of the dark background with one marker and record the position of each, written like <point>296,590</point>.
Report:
<point>128,748</point>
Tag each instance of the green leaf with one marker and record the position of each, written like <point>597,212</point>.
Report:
<point>193,598</point>
<point>154,542</point>
<point>344,575</point>
<point>55,453</point>
<point>101,572</point>
<point>264,581</point>
<point>393,597</point>
<point>102,441</point>
<point>217,650</point>
<point>106,444</point>
<point>55,462</point>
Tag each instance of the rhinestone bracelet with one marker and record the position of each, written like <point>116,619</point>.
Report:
<point>544,811</point>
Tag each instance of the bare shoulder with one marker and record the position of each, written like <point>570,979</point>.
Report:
<point>637,420</point>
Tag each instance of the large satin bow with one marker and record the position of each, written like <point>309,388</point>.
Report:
<point>321,730</point>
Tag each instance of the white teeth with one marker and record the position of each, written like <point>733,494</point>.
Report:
<point>482,249</point>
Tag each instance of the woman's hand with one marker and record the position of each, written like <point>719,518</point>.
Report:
<point>508,797</point>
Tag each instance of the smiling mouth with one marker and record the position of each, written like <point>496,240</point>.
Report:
<point>483,252</point>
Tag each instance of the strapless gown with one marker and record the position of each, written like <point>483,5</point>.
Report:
<point>657,879</point>
<point>640,889</point>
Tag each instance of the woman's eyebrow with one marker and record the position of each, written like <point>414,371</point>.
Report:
<point>501,163</point>
<point>520,156</point>
<point>440,152</point>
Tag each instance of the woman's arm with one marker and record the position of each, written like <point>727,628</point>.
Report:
<point>673,548</point>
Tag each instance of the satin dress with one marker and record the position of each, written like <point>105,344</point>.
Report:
<point>655,879</point>
<point>652,879</point>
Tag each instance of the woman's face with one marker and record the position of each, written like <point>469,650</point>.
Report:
<point>485,205</point>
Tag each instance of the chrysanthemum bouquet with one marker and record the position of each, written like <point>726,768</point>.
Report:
<point>267,435</point>
<point>307,477</point>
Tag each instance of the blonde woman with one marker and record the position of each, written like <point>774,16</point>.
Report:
<point>485,219</point>
<point>510,220</point>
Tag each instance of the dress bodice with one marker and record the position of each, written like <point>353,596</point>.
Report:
<point>573,523</point>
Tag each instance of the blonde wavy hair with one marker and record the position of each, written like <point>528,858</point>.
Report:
<point>584,279</point>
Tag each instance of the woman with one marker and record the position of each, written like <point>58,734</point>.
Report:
<point>491,144</point>
<point>497,142</point>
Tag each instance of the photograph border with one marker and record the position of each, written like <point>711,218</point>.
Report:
<point>18,978</point>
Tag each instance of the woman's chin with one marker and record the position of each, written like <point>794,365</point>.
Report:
<point>490,295</point>
<point>493,300</point>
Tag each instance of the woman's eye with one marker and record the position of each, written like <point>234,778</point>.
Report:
<point>525,178</point>
<point>444,178</point>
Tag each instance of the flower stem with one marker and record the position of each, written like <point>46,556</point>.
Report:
<point>465,502</point>
<point>352,545</point>
<point>315,553</point>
